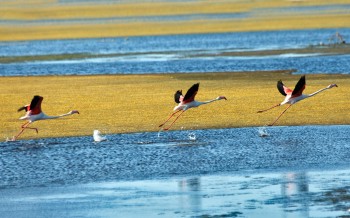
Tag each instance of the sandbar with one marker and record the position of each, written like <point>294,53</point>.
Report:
<point>138,103</point>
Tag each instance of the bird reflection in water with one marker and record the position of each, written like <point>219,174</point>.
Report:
<point>191,197</point>
<point>295,190</point>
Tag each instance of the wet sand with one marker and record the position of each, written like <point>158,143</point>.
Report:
<point>330,49</point>
<point>324,49</point>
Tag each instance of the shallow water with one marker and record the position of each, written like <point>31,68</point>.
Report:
<point>174,54</point>
<point>243,172</point>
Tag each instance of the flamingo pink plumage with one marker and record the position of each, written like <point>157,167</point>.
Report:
<point>34,113</point>
<point>293,96</point>
<point>186,102</point>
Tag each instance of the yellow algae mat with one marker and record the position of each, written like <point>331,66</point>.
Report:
<point>137,103</point>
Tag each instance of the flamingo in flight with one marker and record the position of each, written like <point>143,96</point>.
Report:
<point>34,113</point>
<point>186,102</point>
<point>293,96</point>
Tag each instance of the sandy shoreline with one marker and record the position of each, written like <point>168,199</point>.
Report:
<point>138,103</point>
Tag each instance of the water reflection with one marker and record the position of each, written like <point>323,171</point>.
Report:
<point>295,191</point>
<point>245,195</point>
<point>191,199</point>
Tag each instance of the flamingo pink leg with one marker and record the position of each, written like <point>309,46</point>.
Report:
<point>174,121</point>
<point>280,115</point>
<point>269,108</point>
<point>169,118</point>
<point>24,126</point>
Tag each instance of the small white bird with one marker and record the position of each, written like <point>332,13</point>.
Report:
<point>97,136</point>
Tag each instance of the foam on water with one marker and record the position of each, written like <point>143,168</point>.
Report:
<point>192,136</point>
<point>263,131</point>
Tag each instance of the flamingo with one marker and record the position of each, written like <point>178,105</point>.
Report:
<point>186,102</point>
<point>293,96</point>
<point>34,113</point>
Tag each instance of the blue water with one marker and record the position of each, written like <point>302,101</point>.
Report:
<point>239,172</point>
<point>138,156</point>
<point>176,53</point>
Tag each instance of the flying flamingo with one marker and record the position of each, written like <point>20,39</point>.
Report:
<point>187,102</point>
<point>293,96</point>
<point>34,113</point>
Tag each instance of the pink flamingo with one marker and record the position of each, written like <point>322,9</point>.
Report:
<point>34,113</point>
<point>293,96</point>
<point>186,102</point>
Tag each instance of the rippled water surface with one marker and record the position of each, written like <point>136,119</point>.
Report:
<point>243,172</point>
<point>173,54</point>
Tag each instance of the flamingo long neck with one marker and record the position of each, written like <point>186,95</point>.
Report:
<point>58,116</point>
<point>207,102</point>
<point>315,93</point>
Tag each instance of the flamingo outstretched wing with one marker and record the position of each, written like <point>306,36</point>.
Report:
<point>191,93</point>
<point>35,105</point>
<point>25,107</point>
<point>178,96</point>
<point>299,87</point>
<point>284,90</point>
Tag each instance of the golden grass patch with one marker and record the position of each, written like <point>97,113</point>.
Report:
<point>69,31</point>
<point>257,21</point>
<point>137,103</point>
<point>72,11</point>
<point>46,10</point>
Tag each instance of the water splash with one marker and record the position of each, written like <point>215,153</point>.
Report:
<point>262,131</point>
<point>98,137</point>
<point>192,136</point>
<point>161,130</point>
<point>10,139</point>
